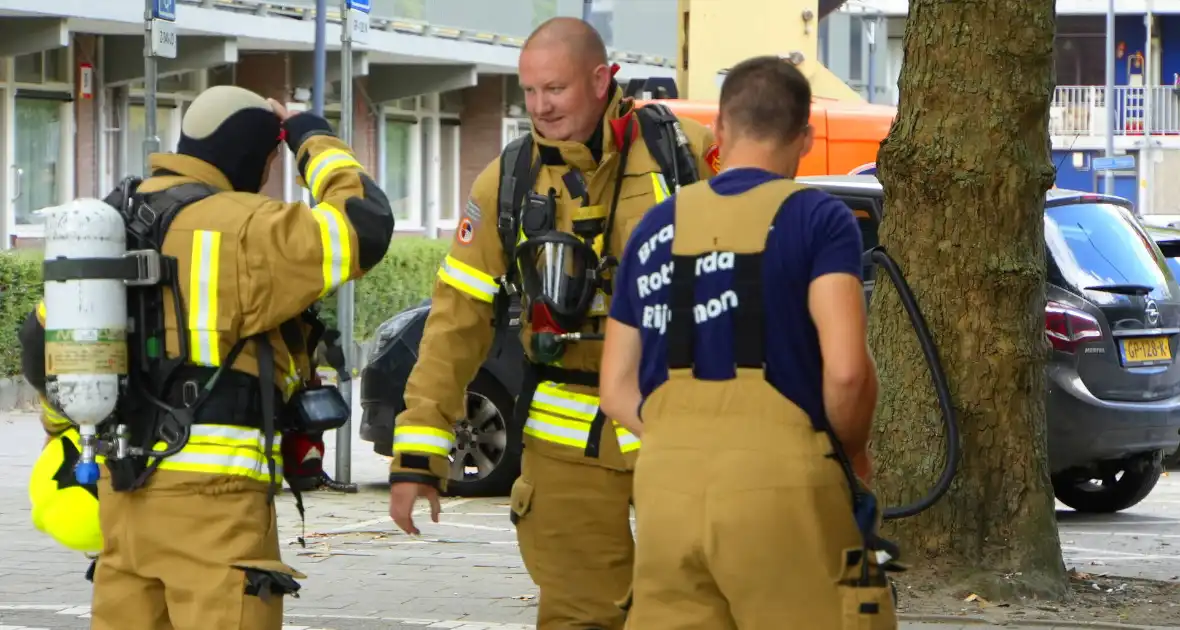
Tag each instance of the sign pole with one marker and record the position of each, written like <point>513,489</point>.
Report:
<point>354,28</point>
<point>1110,96</point>
<point>159,28</point>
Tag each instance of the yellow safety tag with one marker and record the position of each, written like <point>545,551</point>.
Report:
<point>600,306</point>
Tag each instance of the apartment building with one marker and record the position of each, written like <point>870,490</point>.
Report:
<point>1145,99</point>
<point>435,92</point>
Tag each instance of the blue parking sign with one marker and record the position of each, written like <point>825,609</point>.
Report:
<point>164,10</point>
<point>364,6</point>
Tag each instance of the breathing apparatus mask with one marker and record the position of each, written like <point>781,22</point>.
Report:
<point>563,279</point>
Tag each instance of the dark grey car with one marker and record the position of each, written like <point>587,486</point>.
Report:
<point>1112,316</point>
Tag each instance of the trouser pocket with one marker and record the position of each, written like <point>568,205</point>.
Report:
<point>866,594</point>
<point>264,585</point>
<point>520,500</point>
<point>868,607</point>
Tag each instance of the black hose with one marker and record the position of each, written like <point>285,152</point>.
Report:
<point>879,257</point>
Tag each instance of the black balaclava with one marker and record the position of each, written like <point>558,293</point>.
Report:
<point>233,129</point>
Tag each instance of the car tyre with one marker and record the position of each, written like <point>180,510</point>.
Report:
<point>1113,495</point>
<point>490,431</point>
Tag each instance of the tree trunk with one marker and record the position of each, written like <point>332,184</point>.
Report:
<point>965,169</point>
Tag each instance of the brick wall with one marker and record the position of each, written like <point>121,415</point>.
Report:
<point>87,179</point>
<point>268,75</point>
<point>481,130</point>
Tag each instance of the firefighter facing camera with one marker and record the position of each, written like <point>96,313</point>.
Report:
<point>177,330</point>
<point>542,224</point>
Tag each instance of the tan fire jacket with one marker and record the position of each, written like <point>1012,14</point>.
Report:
<point>459,333</point>
<point>249,264</point>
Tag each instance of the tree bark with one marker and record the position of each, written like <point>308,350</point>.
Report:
<point>965,169</point>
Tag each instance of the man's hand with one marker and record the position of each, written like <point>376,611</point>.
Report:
<point>401,504</point>
<point>862,466</point>
<point>280,110</point>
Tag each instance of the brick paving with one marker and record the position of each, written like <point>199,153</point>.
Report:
<point>464,573</point>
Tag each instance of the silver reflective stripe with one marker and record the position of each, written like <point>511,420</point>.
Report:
<point>470,280</point>
<point>545,428</point>
<point>565,403</point>
<point>419,439</point>
<point>202,317</point>
<point>333,235</point>
<point>255,465</point>
<point>218,432</point>
<point>321,169</point>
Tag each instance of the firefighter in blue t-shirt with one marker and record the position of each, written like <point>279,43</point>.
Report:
<point>736,348</point>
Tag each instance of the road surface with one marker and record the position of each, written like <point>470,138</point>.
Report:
<point>463,573</point>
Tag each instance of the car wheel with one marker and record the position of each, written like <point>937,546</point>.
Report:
<point>486,458</point>
<point>1120,488</point>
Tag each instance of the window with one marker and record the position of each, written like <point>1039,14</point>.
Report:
<point>856,36</point>
<point>448,212</point>
<point>451,102</point>
<point>39,169</point>
<point>51,66</point>
<point>136,125</point>
<point>1093,244</point>
<point>398,169</point>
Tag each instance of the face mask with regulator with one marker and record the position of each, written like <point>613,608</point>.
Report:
<point>563,279</point>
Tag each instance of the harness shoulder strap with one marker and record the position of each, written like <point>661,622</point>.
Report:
<point>668,145</point>
<point>516,178</point>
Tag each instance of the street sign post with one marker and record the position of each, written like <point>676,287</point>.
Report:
<point>355,28</point>
<point>1110,164</point>
<point>160,37</point>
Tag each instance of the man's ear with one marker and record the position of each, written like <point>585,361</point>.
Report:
<point>602,81</point>
<point>808,140</point>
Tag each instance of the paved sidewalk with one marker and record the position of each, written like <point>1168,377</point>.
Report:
<point>463,573</point>
<point>77,618</point>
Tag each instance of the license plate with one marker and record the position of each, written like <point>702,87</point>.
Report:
<point>1144,350</point>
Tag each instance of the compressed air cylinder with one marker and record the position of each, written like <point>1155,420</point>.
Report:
<point>85,321</point>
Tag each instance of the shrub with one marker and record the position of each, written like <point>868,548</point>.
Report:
<point>20,290</point>
<point>404,278</point>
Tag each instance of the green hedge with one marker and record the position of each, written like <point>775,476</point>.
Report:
<point>404,278</point>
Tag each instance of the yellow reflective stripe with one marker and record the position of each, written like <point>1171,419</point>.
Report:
<point>423,440</point>
<point>336,245</point>
<point>292,378</point>
<point>52,417</point>
<point>550,397</point>
<point>550,428</point>
<point>321,167</point>
<point>225,450</point>
<point>468,279</point>
<point>204,340</point>
<point>627,440</point>
<point>660,185</point>
<point>41,312</point>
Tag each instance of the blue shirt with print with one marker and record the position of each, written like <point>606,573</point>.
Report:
<point>814,234</point>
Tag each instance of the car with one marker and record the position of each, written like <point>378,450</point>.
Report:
<point>1168,240</point>
<point>1111,423</point>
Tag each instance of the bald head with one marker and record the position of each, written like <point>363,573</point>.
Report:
<point>575,36</point>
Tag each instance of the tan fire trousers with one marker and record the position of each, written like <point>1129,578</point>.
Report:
<point>189,552</point>
<point>742,521</point>
<point>573,524</point>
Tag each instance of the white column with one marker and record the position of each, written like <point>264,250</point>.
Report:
<point>432,162</point>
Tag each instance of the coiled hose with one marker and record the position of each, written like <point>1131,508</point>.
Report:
<point>879,257</point>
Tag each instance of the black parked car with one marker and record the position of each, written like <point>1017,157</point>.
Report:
<point>1113,395</point>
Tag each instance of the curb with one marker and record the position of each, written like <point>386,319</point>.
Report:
<point>982,621</point>
<point>17,395</point>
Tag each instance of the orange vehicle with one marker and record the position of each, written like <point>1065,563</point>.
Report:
<point>847,135</point>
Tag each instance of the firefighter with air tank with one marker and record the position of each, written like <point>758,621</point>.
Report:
<point>547,220</point>
<point>178,327</point>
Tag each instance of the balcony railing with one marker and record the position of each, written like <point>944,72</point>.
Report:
<point>1080,110</point>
